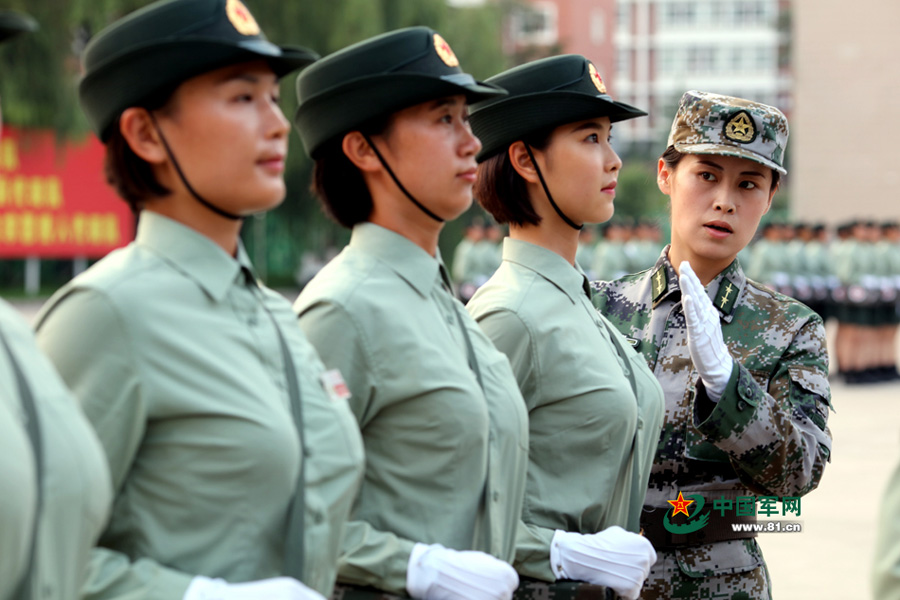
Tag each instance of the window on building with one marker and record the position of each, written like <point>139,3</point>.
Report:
<point>536,23</point>
<point>765,58</point>
<point>598,26</point>
<point>701,60</point>
<point>737,60</point>
<point>623,15</point>
<point>623,64</point>
<point>749,12</point>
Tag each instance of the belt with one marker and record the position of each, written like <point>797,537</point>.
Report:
<point>719,529</point>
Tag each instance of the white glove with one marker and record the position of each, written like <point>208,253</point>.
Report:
<point>278,588</point>
<point>613,558</point>
<point>708,350</point>
<point>438,573</point>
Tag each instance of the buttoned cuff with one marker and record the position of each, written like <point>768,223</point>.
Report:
<point>734,410</point>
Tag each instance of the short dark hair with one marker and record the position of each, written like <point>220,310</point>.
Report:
<point>672,157</point>
<point>127,173</point>
<point>339,184</point>
<point>501,190</point>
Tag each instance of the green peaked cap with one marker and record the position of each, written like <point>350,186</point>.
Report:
<point>154,49</point>
<point>13,23</point>
<point>376,77</point>
<point>543,94</point>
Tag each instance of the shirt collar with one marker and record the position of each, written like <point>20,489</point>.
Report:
<point>192,253</point>
<point>548,264</point>
<point>403,256</point>
<point>724,290</point>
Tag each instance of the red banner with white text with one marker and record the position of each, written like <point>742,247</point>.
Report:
<point>54,200</point>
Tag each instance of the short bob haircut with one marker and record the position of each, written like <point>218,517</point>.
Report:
<point>672,157</point>
<point>502,192</point>
<point>339,184</point>
<point>127,173</point>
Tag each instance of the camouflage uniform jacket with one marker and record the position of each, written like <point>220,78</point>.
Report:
<point>767,435</point>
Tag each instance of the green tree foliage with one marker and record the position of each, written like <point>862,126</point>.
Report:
<point>637,195</point>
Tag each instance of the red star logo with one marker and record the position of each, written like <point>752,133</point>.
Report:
<point>680,505</point>
<point>242,13</point>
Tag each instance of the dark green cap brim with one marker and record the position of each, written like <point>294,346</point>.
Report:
<point>501,122</point>
<point>13,23</point>
<point>131,79</point>
<point>340,110</point>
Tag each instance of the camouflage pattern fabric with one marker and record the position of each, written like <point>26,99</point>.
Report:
<point>680,574</point>
<point>712,124</point>
<point>768,433</point>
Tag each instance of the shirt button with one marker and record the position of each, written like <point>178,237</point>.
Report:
<point>741,405</point>
<point>496,496</point>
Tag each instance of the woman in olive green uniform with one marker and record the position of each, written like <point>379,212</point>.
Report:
<point>54,483</point>
<point>233,452</point>
<point>443,423</point>
<point>595,409</point>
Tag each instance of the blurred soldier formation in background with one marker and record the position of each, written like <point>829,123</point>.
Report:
<point>849,275</point>
<point>621,247</point>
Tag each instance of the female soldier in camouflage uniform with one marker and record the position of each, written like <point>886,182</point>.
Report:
<point>744,369</point>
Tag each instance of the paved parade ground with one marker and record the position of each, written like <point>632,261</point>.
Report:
<point>832,557</point>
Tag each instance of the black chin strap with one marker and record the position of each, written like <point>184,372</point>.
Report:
<point>184,180</point>
<point>562,216</point>
<point>397,181</point>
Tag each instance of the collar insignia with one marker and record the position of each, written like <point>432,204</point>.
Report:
<point>726,296</point>
<point>659,283</point>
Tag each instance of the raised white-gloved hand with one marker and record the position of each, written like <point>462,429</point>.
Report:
<point>613,558</point>
<point>438,573</point>
<point>708,349</point>
<point>278,588</point>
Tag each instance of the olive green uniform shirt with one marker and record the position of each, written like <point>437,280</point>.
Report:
<point>178,365</point>
<point>886,572</point>
<point>76,488</point>
<point>594,407</point>
<point>445,457</point>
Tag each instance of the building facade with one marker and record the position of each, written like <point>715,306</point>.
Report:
<point>665,47</point>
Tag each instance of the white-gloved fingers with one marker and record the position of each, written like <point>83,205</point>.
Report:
<point>613,558</point>
<point>277,588</point>
<point>438,573</point>
<point>705,341</point>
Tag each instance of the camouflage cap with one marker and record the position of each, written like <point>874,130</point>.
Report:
<point>713,124</point>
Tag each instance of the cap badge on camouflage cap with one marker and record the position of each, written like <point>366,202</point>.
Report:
<point>739,128</point>
<point>241,18</point>
<point>444,50</point>
<point>595,77</point>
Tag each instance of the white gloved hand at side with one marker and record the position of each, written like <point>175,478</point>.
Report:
<point>438,573</point>
<point>278,588</point>
<point>708,349</point>
<point>613,558</point>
